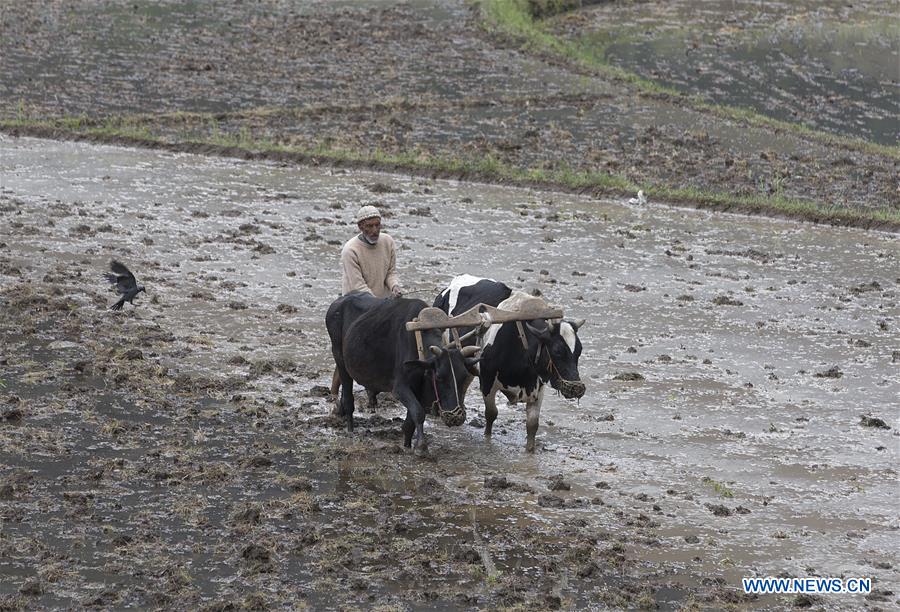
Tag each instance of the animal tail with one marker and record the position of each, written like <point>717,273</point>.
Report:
<point>111,277</point>
<point>118,305</point>
<point>335,382</point>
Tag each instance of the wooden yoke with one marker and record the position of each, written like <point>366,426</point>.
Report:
<point>435,318</point>
<point>532,309</point>
<point>429,318</point>
<point>419,346</point>
<point>480,315</point>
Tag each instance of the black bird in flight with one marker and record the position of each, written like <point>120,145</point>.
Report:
<point>126,285</point>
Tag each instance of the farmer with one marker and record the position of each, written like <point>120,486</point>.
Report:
<point>368,263</point>
<point>369,259</point>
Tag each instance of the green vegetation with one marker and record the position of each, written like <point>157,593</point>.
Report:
<point>245,132</point>
<point>514,18</point>
<point>204,130</point>
<point>718,487</point>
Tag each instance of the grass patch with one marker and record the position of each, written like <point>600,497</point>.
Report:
<point>718,487</point>
<point>137,130</point>
<point>788,207</point>
<point>513,18</point>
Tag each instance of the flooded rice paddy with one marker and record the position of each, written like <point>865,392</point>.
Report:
<point>737,370</point>
<point>831,65</point>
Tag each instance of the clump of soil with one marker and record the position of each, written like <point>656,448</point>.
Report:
<point>870,421</point>
<point>832,372</point>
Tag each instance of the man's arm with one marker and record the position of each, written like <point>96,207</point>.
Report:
<point>351,274</point>
<point>391,279</point>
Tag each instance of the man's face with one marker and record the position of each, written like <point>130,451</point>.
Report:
<point>371,228</point>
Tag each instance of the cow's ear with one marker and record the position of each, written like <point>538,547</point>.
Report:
<point>415,366</point>
<point>472,365</point>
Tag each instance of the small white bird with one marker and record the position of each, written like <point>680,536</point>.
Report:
<point>640,200</point>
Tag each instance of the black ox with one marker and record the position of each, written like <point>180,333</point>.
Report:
<point>505,364</point>
<point>371,346</point>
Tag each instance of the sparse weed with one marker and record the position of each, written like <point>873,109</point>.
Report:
<point>718,487</point>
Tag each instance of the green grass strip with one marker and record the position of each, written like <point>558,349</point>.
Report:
<point>133,131</point>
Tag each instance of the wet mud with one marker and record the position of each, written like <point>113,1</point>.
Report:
<point>740,417</point>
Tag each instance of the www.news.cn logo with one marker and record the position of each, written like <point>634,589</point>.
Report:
<point>806,585</point>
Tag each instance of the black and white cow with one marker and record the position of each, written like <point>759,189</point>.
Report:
<point>371,346</point>
<point>505,365</point>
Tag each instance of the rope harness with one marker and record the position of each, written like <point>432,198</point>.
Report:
<point>569,388</point>
<point>456,416</point>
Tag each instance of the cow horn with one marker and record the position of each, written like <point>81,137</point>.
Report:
<point>469,351</point>
<point>436,350</point>
<point>575,323</point>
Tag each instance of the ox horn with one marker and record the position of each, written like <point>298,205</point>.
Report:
<point>469,351</point>
<point>575,323</point>
<point>438,351</point>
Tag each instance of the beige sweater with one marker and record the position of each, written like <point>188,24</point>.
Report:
<point>367,267</point>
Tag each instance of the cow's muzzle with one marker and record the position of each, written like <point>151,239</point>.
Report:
<point>570,389</point>
<point>453,417</point>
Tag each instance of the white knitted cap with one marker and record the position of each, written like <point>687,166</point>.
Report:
<point>367,212</point>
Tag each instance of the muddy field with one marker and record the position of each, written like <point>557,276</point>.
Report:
<point>180,454</point>
<point>742,373</point>
<point>425,78</point>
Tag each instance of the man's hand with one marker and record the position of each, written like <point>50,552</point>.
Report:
<point>395,291</point>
